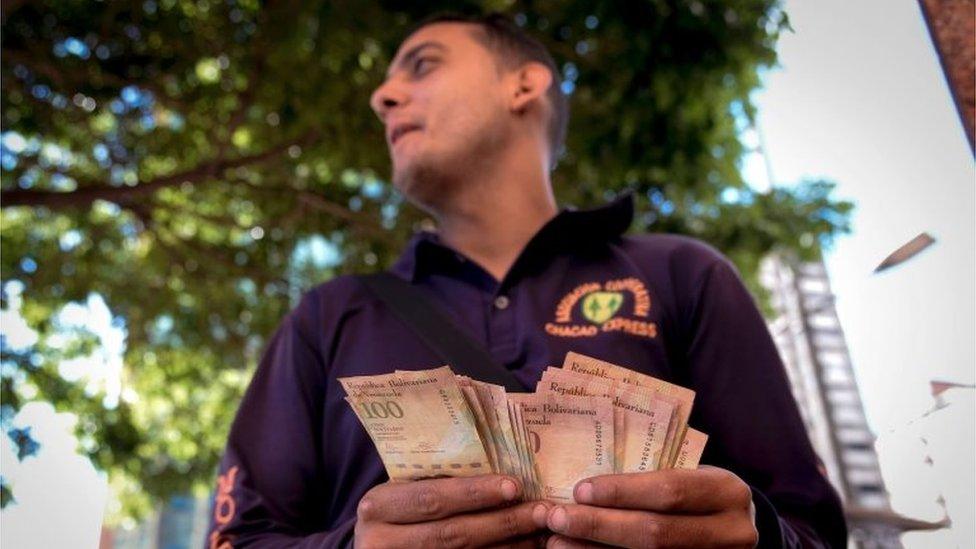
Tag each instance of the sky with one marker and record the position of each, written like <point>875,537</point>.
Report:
<point>61,498</point>
<point>859,98</point>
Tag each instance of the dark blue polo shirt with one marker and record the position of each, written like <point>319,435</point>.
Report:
<point>298,461</point>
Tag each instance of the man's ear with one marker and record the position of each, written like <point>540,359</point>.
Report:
<point>532,81</point>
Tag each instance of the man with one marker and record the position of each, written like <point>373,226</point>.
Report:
<point>474,121</point>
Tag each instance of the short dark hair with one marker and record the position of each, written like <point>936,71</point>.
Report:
<point>512,47</point>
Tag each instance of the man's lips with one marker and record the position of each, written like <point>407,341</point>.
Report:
<point>401,130</point>
<point>399,137</point>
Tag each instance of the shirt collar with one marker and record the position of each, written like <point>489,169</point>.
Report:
<point>570,229</point>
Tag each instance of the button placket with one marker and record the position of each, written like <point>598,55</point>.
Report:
<point>502,326</point>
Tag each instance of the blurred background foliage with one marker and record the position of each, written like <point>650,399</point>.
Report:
<point>200,163</point>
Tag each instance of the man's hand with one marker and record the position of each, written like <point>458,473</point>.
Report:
<point>448,512</point>
<point>707,507</point>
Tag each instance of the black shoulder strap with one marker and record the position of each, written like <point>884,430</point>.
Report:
<point>414,308</point>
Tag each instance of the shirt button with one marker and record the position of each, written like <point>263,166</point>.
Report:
<point>501,302</point>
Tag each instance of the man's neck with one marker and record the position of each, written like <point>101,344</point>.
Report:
<point>498,214</point>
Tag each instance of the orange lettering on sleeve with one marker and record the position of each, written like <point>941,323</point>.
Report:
<point>224,509</point>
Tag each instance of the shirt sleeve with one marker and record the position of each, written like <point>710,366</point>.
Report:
<point>269,492</point>
<point>744,403</point>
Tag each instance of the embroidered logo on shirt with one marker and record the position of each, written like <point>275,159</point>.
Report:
<point>224,510</point>
<point>599,307</point>
<point>595,307</point>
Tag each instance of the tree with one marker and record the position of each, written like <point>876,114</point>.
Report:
<point>200,164</point>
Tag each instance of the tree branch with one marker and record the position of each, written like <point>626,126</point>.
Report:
<point>221,220</point>
<point>357,221</point>
<point>84,196</point>
<point>67,78</point>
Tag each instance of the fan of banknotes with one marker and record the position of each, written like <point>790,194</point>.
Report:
<point>587,418</point>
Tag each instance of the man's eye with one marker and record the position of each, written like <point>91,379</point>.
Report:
<point>421,63</point>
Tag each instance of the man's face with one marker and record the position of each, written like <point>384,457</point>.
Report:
<point>443,105</point>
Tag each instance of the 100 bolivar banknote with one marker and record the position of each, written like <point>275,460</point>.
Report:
<point>587,418</point>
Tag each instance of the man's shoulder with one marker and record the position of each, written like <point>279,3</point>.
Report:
<point>682,254</point>
<point>330,301</point>
<point>341,292</point>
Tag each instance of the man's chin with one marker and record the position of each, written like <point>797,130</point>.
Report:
<point>424,185</point>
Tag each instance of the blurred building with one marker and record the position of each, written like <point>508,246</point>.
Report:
<point>180,524</point>
<point>811,342</point>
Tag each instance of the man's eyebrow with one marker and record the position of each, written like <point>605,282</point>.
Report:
<point>413,52</point>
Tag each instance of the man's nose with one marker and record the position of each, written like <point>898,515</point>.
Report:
<point>385,97</point>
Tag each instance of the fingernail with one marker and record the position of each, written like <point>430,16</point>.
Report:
<point>557,520</point>
<point>539,514</point>
<point>509,489</point>
<point>584,492</point>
